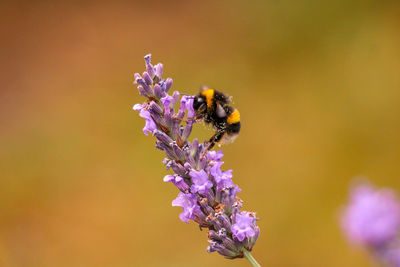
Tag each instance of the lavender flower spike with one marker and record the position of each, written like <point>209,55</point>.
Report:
<point>207,193</point>
<point>372,219</point>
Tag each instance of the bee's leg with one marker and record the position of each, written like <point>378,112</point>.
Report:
<point>195,119</point>
<point>213,140</point>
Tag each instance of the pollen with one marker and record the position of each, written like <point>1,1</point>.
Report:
<point>234,117</point>
<point>209,94</point>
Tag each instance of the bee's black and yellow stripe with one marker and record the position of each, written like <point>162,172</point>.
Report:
<point>209,95</point>
<point>214,97</point>
<point>234,117</point>
<point>233,121</point>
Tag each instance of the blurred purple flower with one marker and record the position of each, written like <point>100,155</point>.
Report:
<point>391,255</point>
<point>372,217</point>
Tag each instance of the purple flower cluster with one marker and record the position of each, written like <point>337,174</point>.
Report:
<point>372,219</point>
<point>207,193</point>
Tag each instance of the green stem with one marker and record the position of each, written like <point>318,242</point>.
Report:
<point>252,260</point>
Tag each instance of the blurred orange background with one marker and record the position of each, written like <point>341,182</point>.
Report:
<point>317,84</point>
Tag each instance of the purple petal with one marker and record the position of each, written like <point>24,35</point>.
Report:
<point>166,101</point>
<point>244,226</point>
<point>138,107</point>
<point>215,155</point>
<point>150,126</point>
<point>201,183</point>
<point>189,204</point>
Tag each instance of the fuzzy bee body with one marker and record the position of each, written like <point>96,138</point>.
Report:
<point>215,108</point>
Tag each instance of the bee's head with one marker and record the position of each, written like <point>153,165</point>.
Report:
<point>199,103</point>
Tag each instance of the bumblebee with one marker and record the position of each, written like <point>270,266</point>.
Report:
<point>215,108</point>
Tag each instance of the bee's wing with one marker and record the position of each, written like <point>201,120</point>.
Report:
<point>229,99</point>
<point>221,113</point>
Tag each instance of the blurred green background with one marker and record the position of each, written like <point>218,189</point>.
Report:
<point>317,84</point>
